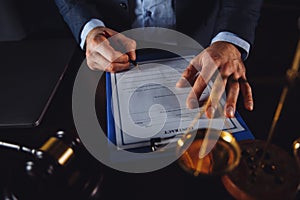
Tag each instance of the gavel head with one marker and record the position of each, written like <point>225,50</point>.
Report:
<point>58,169</point>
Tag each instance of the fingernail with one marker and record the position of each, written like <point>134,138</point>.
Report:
<point>230,111</point>
<point>250,105</point>
<point>182,82</point>
<point>210,111</point>
<point>193,103</point>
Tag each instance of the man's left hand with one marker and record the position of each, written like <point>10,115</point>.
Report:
<point>224,60</point>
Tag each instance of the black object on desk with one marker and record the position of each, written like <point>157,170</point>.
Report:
<point>30,71</point>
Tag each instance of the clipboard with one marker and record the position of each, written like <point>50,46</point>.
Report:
<point>245,134</point>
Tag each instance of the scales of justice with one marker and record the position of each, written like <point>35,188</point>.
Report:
<point>249,169</point>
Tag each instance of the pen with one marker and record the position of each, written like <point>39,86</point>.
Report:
<point>134,62</point>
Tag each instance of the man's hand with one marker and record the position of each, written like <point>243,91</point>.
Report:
<point>221,60</point>
<point>109,55</point>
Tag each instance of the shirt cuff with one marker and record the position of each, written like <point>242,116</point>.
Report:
<point>234,39</point>
<point>93,23</point>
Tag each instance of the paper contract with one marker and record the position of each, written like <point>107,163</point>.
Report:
<point>147,104</point>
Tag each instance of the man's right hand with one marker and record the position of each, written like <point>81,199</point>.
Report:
<point>111,55</point>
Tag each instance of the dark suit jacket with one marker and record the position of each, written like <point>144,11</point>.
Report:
<point>199,19</point>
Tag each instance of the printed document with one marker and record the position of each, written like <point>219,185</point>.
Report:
<point>147,104</point>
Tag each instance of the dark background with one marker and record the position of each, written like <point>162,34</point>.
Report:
<point>272,55</point>
<point>277,35</point>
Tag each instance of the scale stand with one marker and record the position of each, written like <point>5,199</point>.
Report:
<point>266,171</point>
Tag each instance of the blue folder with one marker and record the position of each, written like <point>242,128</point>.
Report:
<point>242,135</point>
<point>149,54</point>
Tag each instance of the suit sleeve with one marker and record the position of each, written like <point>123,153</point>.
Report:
<point>76,14</point>
<point>239,17</point>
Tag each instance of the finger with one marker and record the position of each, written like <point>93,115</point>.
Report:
<point>187,77</point>
<point>233,70</point>
<point>132,55</point>
<point>115,67</point>
<point>216,93</point>
<point>110,54</point>
<point>123,58</point>
<point>190,73</point>
<point>125,44</point>
<point>197,90</point>
<point>96,61</point>
<point>247,94</point>
<point>130,46</point>
<point>208,69</point>
<point>232,96</point>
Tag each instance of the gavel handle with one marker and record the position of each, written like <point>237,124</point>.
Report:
<point>19,148</point>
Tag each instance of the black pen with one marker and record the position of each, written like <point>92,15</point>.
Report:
<point>134,62</point>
